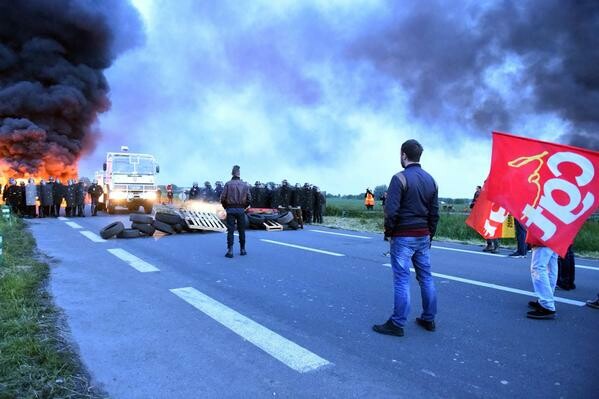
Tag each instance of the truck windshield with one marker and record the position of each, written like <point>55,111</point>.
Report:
<point>133,165</point>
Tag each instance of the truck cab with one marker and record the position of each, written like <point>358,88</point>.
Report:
<point>129,180</point>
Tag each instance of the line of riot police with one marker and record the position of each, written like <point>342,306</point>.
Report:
<point>309,197</point>
<point>46,198</point>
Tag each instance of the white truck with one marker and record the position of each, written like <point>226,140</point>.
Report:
<point>129,180</point>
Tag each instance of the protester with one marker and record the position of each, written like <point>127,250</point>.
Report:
<point>411,217</point>
<point>369,199</point>
<point>543,271</point>
<point>31,194</point>
<point>566,271</point>
<point>521,248</point>
<point>169,194</point>
<point>235,199</point>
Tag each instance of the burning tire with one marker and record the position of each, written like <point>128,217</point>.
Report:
<point>145,228</point>
<point>169,218</point>
<point>164,227</point>
<point>139,218</point>
<point>112,230</point>
<point>129,233</point>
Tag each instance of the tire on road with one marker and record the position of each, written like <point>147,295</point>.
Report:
<point>178,227</point>
<point>129,233</point>
<point>145,228</point>
<point>168,218</point>
<point>285,218</point>
<point>255,220</point>
<point>140,218</point>
<point>293,225</point>
<point>164,227</point>
<point>112,230</point>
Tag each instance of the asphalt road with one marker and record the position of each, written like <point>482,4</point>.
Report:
<point>171,317</point>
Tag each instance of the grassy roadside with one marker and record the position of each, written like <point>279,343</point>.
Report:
<point>35,358</point>
<point>452,227</point>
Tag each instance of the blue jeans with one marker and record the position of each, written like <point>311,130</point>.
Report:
<point>543,271</point>
<point>404,252</point>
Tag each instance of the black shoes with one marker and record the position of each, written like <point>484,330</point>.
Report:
<point>517,255</point>
<point>229,253</point>
<point>541,313</point>
<point>428,325</point>
<point>535,305</point>
<point>389,328</point>
<point>243,252</point>
<point>593,304</point>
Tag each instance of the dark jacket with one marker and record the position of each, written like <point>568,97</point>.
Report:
<point>47,194</point>
<point>413,205</point>
<point>95,191</point>
<point>80,193</point>
<point>236,194</point>
<point>58,192</point>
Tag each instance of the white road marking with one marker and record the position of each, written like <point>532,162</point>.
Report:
<point>320,251</point>
<point>74,225</point>
<point>62,218</point>
<point>282,349</point>
<point>587,267</point>
<point>133,261</point>
<point>497,287</point>
<point>468,251</point>
<point>341,234</point>
<point>92,236</point>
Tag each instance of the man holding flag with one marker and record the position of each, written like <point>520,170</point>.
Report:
<point>552,190</point>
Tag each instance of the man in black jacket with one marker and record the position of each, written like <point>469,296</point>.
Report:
<point>411,217</point>
<point>235,199</point>
<point>95,191</point>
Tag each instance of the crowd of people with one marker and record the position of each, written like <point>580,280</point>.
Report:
<point>46,198</point>
<point>270,195</point>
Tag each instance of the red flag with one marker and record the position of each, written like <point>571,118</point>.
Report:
<point>550,188</point>
<point>489,219</point>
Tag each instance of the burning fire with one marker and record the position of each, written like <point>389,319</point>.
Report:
<point>210,207</point>
<point>48,167</point>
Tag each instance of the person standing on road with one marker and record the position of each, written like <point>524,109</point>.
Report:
<point>70,197</point>
<point>95,191</point>
<point>235,199</point>
<point>80,194</point>
<point>59,193</point>
<point>31,194</point>
<point>521,249</point>
<point>369,199</point>
<point>46,199</point>
<point>566,271</point>
<point>543,272</point>
<point>169,194</point>
<point>493,244</point>
<point>411,217</point>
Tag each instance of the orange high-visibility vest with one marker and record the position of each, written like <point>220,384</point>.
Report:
<point>369,200</point>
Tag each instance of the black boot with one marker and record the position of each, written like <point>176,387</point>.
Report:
<point>243,251</point>
<point>229,253</point>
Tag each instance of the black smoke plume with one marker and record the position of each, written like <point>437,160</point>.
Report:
<point>52,86</point>
<point>442,53</point>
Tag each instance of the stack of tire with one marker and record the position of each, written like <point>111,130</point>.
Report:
<point>144,226</point>
<point>285,218</point>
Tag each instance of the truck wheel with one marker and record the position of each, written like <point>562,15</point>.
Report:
<point>139,218</point>
<point>146,229</point>
<point>112,230</point>
<point>129,233</point>
<point>164,227</point>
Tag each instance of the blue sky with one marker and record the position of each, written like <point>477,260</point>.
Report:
<point>322,91</point>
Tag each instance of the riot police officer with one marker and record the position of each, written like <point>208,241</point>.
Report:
<point>207,193</point>
<point>70,197</point>
<point>194,192</point>
<point>46,198</point>
<point>95,191</point>
<point>317,201</point>
<point>58,191</point>
<point>306,202</point>
<point>218,189</point>
<point>13,195</point>
<point>80,194</point>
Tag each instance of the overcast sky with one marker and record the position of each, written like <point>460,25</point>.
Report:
<point>326,91</point>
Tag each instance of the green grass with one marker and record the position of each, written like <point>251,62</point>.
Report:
<point>35,359</point>
<point>351,214</point>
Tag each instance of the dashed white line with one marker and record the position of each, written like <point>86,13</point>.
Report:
<point>62,218</point>
<point>588,267</point>
<point>497,287</point>
<point>300,247</point>
<point>282,349</point>
<point>133,261</point>
<point>341,234</point>
<point>467,251</point>
<point>92,236</point>
<point>74,225</point>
